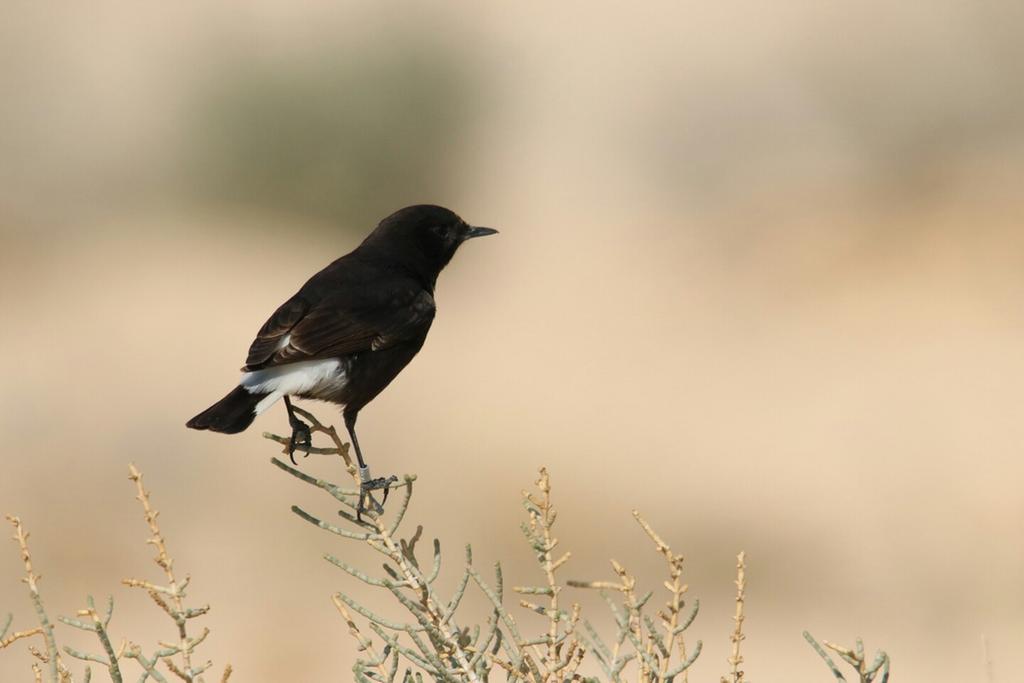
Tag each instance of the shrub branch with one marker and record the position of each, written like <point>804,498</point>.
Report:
<point>170,598</point>
<point>649,641</point>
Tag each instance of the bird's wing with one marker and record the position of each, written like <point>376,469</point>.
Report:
<point>272,336</point>
<point>340,324</point>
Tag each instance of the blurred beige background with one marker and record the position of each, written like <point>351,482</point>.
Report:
<point>759,275</point>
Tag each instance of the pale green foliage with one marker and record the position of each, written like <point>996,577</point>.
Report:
<point>866,672</point>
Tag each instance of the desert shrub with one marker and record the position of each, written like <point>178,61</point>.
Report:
<point>649,641</point>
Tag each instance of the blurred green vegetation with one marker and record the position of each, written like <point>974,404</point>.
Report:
<point>345,135</point>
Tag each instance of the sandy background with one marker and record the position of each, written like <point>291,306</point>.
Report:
<point>759,275</point>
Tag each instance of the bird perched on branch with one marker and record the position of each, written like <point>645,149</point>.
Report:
<point>349,330</point>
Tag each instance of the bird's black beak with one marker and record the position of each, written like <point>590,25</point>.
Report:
<point>479,232</point>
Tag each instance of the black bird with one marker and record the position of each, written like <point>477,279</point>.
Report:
<point>349,330</point>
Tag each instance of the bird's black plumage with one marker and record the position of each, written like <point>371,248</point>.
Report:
<point>348,332</point>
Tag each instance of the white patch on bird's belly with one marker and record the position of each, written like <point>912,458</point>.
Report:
<point>303,377</point>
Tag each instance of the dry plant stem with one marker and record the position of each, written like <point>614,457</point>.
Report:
<point>653,648</point>
<point>164,561</point>
<point>148,665</point>
<point>97,625</point>
<point>539,533</point>
<point>18,635</point>
<point>364,642</point>
<point>413,579</point>
<point>31,579</point>
<point>340,448</point>
<point>430,615</point>
<point>670,621</point>
<point>6,641</point>
<point>855,658</point>
<point>432,642</point>
<point>737,635</point>
<point>547,513</point>
<point>634,630</point>
<point>171,599</point>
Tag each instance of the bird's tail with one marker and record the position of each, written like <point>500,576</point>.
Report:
<point>231,414</point>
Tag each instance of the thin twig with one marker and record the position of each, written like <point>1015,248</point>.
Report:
<point>737,637</point>
<point>31,579</point>
<point>18,635</point>
<point>170,598</point>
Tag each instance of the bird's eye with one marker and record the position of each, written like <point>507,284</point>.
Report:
<point>439,230</point>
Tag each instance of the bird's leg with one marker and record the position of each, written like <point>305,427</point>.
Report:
<point>301,435</point>
<point>366,482</point>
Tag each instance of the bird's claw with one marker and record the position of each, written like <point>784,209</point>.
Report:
<point>369,484</point>
<point>301,438</point>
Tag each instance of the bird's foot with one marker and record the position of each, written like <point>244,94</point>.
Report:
<point>367,485</point>
<point>302,437</point>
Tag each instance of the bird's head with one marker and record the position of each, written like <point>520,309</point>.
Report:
<point>423,236</point>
